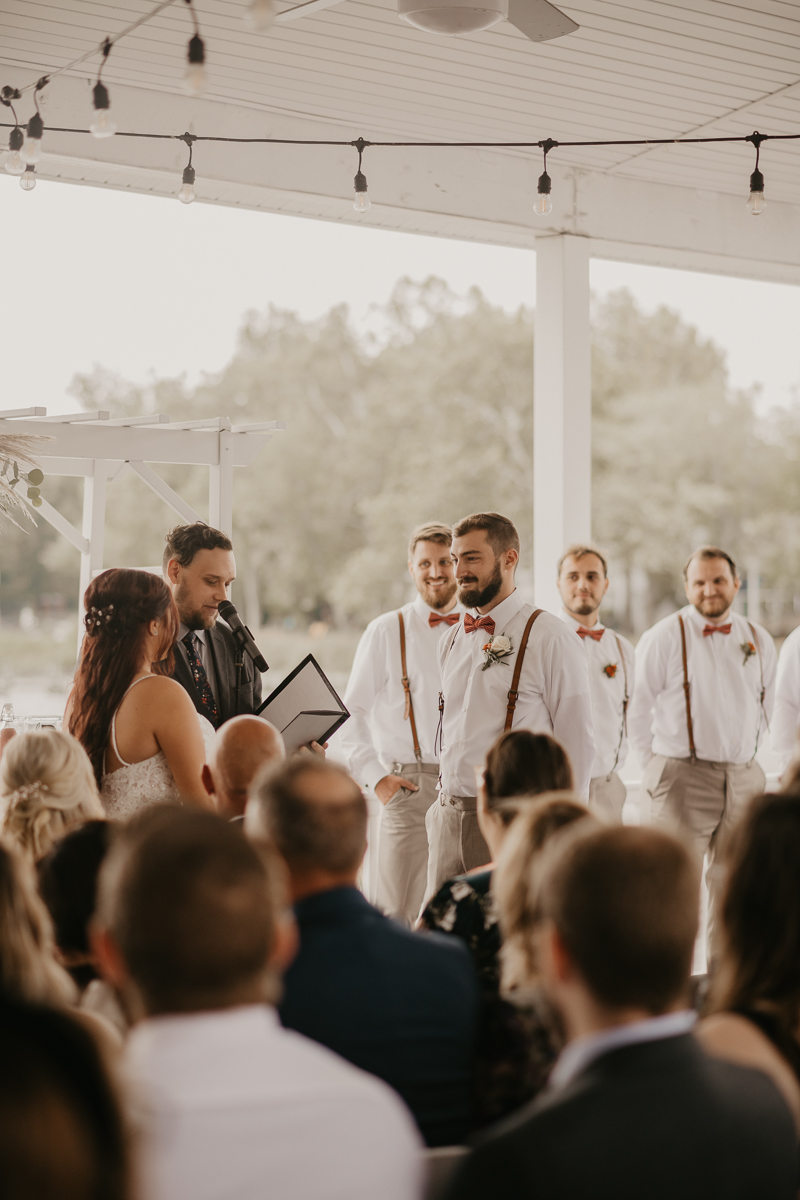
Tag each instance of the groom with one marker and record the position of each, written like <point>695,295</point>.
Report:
<point>199,569</point>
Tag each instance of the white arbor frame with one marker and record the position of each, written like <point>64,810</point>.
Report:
<point>99,449</point>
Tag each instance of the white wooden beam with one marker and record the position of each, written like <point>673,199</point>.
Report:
<point>143,444</point>
<point>165,492</point>
<point>60,523</point>
<point>94,523</point>
<point>220,486</point>
<point>562,409</point>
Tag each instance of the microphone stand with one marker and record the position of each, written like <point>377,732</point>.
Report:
<point>239,664</point>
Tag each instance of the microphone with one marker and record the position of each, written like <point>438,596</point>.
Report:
<point>228,611</point>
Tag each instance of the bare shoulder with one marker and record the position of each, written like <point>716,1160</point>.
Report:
<point>159,692</point>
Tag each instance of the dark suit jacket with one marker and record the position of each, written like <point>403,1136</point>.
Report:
<point>401,1005</point>
<point>655,1121</point>
<point>222,648</point>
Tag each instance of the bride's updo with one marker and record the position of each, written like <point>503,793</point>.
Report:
<point>120,604</point>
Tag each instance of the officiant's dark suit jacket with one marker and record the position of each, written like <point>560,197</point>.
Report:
<point>655,1121</point>
<point>222,648</point>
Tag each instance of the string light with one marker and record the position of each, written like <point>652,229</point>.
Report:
<point>102,126</point>
<point>187,193</point>
<point>195,78</point>
<point>756,201</point>
<point>362,202</point>
<point>543,205</point>
<point>261,14</point>
<point>34,132</point>
<point>28,178</point>
<point>14,164</point>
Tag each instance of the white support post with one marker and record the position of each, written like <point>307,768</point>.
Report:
<point>562,408</point>
<point>94,522</point>
<point>220,486</point>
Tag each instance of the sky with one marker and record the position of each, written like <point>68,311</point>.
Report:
<point>147,286</point>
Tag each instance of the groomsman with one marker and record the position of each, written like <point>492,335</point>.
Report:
<point>705,685</point>
<point>785,725</point>
<point>582,583</point>
<point>507,665</point>
<point>393,696</point>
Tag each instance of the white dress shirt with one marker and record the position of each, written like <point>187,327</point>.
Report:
<point>231,1106</point>
<point>608,693</point>
<point>554,694</point>
<point>724,690</point>
<point>785,723</point>
<point>582,1052</point>
<point>377,736</point>
<point>205,654</point>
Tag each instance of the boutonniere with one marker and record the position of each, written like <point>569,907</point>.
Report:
<point>610,669</point>
<point>748,650</point>
<point>496,650</point>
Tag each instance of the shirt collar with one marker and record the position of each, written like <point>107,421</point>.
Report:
<point>504,611</point>
<point>691,612</point>
<point>581,1053</point>
<point>568,619</point>
<point>199,633</point>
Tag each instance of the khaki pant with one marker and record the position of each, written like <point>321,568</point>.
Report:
<point>606,797</point>
<point>456,844</point>
<point>402,860</point>
<point>705,800</point>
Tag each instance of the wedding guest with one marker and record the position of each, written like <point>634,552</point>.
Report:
<point>582,583</point>
<point>393,696</point>
<point>519,766</point>
<point>47,787</point>
<point>634,1106</point>
<point>755,990</point>
<point>199,568</point>
<point>785,724</point>
<point>62,1136</point>
<point>145,741</point>
<point>191,926</point>
<point>241,747</point>
<point>398,1004</point>
<point>68,886</point>
<point>28,966</point>
<point>524,669</point>
<point>705,682</point>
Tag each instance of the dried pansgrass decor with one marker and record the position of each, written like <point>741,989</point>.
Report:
<point>18,466</point>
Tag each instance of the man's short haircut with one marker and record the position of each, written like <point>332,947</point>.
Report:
<point>706,552</point>
<point>312,833</point>
<point>578,551</point>
<point>625,903</point>
<point>501,533</point>
<point>192,905</point>
<point>433,531</point>
<point>184,542</point>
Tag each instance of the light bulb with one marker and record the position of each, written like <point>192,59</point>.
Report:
<point>14,164</point>
<point>31,151</point>
<point>756,203</point>
<point>28,179</point>
<point>261,14</point>
<point>187,193</point>
<point>362,202</point>
<point>102,126</point>
<point>542,205</point>
<point>195,78</point>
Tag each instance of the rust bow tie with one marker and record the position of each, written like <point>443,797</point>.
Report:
<point>436,618</point>
<point>594,634</point>
<point>709,629</point>
<point>470,624</point>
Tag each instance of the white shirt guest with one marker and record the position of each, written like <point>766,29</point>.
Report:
<point>582,583</point>
<point>389,740</point>
<point>697,726</point>
<point>553,688</point>
<point>785,724</point>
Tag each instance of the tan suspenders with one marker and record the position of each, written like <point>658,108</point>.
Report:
<point>625,700</point>
<point>513,694</point>
<point>686,689</point>
<point>408,715</point>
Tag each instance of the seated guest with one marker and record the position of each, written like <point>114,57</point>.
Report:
<point>241,747</point>
<point>520,764</point>
<point>28,966</point>
<point>47,787</point>
<point>755,990</point>
<point>61,1130</point>
<point>68,886</point>
<point>401,1005</point>
<point>191,926</point>
<point>635,1107</point>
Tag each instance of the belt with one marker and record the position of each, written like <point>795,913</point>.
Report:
<point>419,768</point>
<point>464,803</point>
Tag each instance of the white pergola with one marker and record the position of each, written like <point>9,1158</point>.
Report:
<point>634,68</point>
<point>98,449</point>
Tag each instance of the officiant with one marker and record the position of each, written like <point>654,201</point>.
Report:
<point>199,569</point>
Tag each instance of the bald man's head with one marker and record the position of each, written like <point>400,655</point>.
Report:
<point>242,747</point>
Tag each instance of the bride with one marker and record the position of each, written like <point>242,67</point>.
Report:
<point>146,742</point>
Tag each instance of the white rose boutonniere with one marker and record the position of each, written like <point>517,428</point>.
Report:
<point>496,649</point>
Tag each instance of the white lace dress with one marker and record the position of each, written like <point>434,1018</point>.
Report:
<point>135,786</point>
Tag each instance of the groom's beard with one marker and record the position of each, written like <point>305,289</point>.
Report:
<point>471,595</point>
<point>197,619</point>
<point>437,598</point>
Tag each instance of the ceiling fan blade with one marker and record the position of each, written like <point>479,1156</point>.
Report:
<point>538,20</point>
<point>303,10</point>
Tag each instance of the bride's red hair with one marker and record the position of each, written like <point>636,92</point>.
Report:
<point>120,604</point>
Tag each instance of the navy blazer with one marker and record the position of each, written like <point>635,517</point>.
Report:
<point>401,1005</point>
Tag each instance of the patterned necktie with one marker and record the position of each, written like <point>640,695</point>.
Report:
<point>594,634</point>
<point>709,629</point>
<point>470,624</point>
<point>207,701</point>
<point>436,618</point>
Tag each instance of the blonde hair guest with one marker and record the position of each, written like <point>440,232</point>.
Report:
<point>28,966</point>
<point>47,787</point>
